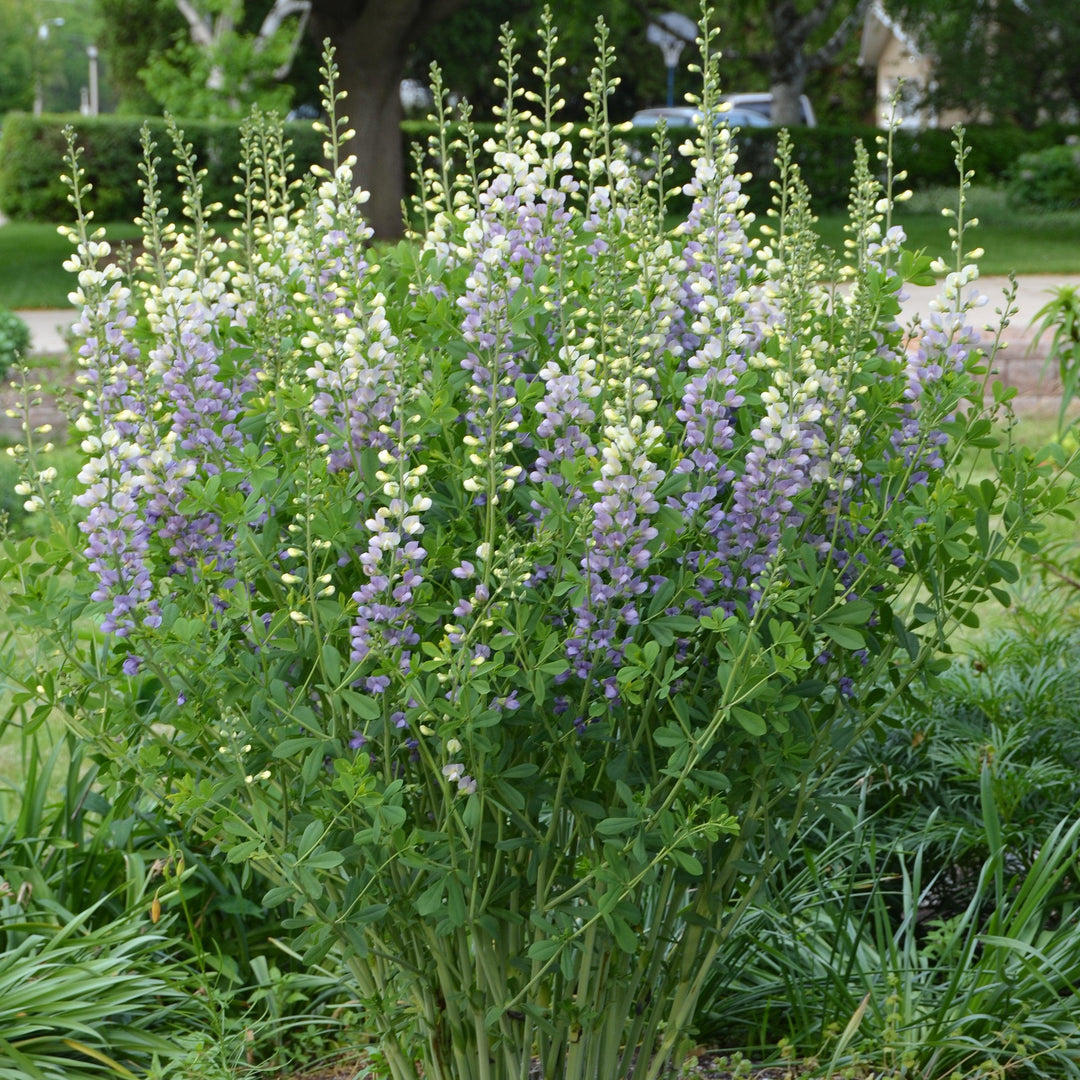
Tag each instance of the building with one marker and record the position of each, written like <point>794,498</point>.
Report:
<point>902,71</point>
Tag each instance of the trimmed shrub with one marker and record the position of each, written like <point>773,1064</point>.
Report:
<point>32,162</point>
<point>825,156</point>
<point>14,340</point>
<point>32,147</point>
<point>1047,180</point>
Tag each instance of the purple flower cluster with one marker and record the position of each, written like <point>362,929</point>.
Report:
<point>617,553</point>
<point>154,428</point>
<point>523,222</point>
<point>707,285</point>
<point>355,373</point>
<point>391,566</point>
<point>566,411</point>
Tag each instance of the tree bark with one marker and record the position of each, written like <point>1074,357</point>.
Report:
<point>371,39</point>
<point>790,62</point>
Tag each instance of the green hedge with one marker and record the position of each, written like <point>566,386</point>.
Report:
<point>1047,179</point>
<point>825,156</point>
<point>31,156</point>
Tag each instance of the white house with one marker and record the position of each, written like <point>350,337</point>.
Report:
<point>903,71</point>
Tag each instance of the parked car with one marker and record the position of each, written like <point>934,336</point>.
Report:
<point>684,116</point>
<point>762,103</point>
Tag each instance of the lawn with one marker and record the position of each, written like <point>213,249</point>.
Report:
<point>31,254</point>
<point>1015,242</point>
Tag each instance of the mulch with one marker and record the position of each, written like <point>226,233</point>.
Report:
<point>705,1065</point>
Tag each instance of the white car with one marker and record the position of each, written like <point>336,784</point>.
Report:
<point>684,116</point>
<point>762,104</point>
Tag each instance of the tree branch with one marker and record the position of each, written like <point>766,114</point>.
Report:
<point>281,10</point>
<point>809,22</point>
<point>277,15</point>
<point>828,52</point>
<point>201,27</point>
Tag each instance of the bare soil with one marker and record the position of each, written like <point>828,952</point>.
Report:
<point>701,1065</point>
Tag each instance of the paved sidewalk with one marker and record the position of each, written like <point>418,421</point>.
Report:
<point>1021,361</point>
<point>48,329</point>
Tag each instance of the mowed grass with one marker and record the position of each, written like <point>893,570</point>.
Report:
<point>31,258</point>
<point>1014,241</point>
<point>31,254</point>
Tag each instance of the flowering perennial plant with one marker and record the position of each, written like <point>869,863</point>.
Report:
<point>539,566</point>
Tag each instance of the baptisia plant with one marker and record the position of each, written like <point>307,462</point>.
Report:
<point>502,598</point>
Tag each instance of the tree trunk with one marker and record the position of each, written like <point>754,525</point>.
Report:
<point>786,108</point>
<point>371,77</point>
<point>372,39</point>
<point>790,60</point>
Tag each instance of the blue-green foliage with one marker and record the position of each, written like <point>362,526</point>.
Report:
<point>930,924</point>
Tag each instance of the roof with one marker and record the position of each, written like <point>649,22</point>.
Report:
<point>878,28</point>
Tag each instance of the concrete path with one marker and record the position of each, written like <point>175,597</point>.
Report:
<point>1021,360</point>
<point>48,329</point>
<point>1033,291</point>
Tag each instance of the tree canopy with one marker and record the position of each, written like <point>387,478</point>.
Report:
<point>43,48</point>
<point>203,58</point>
<point>809,44</point>
<point>1015,60</point>
<point>18,42</point>
<point>198,57</point>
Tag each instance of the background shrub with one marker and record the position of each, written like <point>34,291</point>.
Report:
<point>31,159</point>
<point>32,162</point>
<point>1047,179</point>
<point>14,340</point>
<point>825,154</point>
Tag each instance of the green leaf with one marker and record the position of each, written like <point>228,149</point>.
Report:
<point>186,629</point>
<point>853,611</point>
<point>279,894</point>
<point>371,913</point>
<point>455,902</point>
<point>521,772</point>
<point>668,736</point>
<point>291,747</point>
<point>907,639</point>
<point>749,721</point>
<point>982,529</point>
<point>431,899</point>
<point>331,660</point>
<point>616,826</point>
<point>364,705</point>
<point>313,765</point>
<point>311,837</point>
<point>687,862</point>
<point>325,860</point>
<point>244,850</point>
<point>844,636</point>
<point>543,950</point>
<point>625,938</point>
